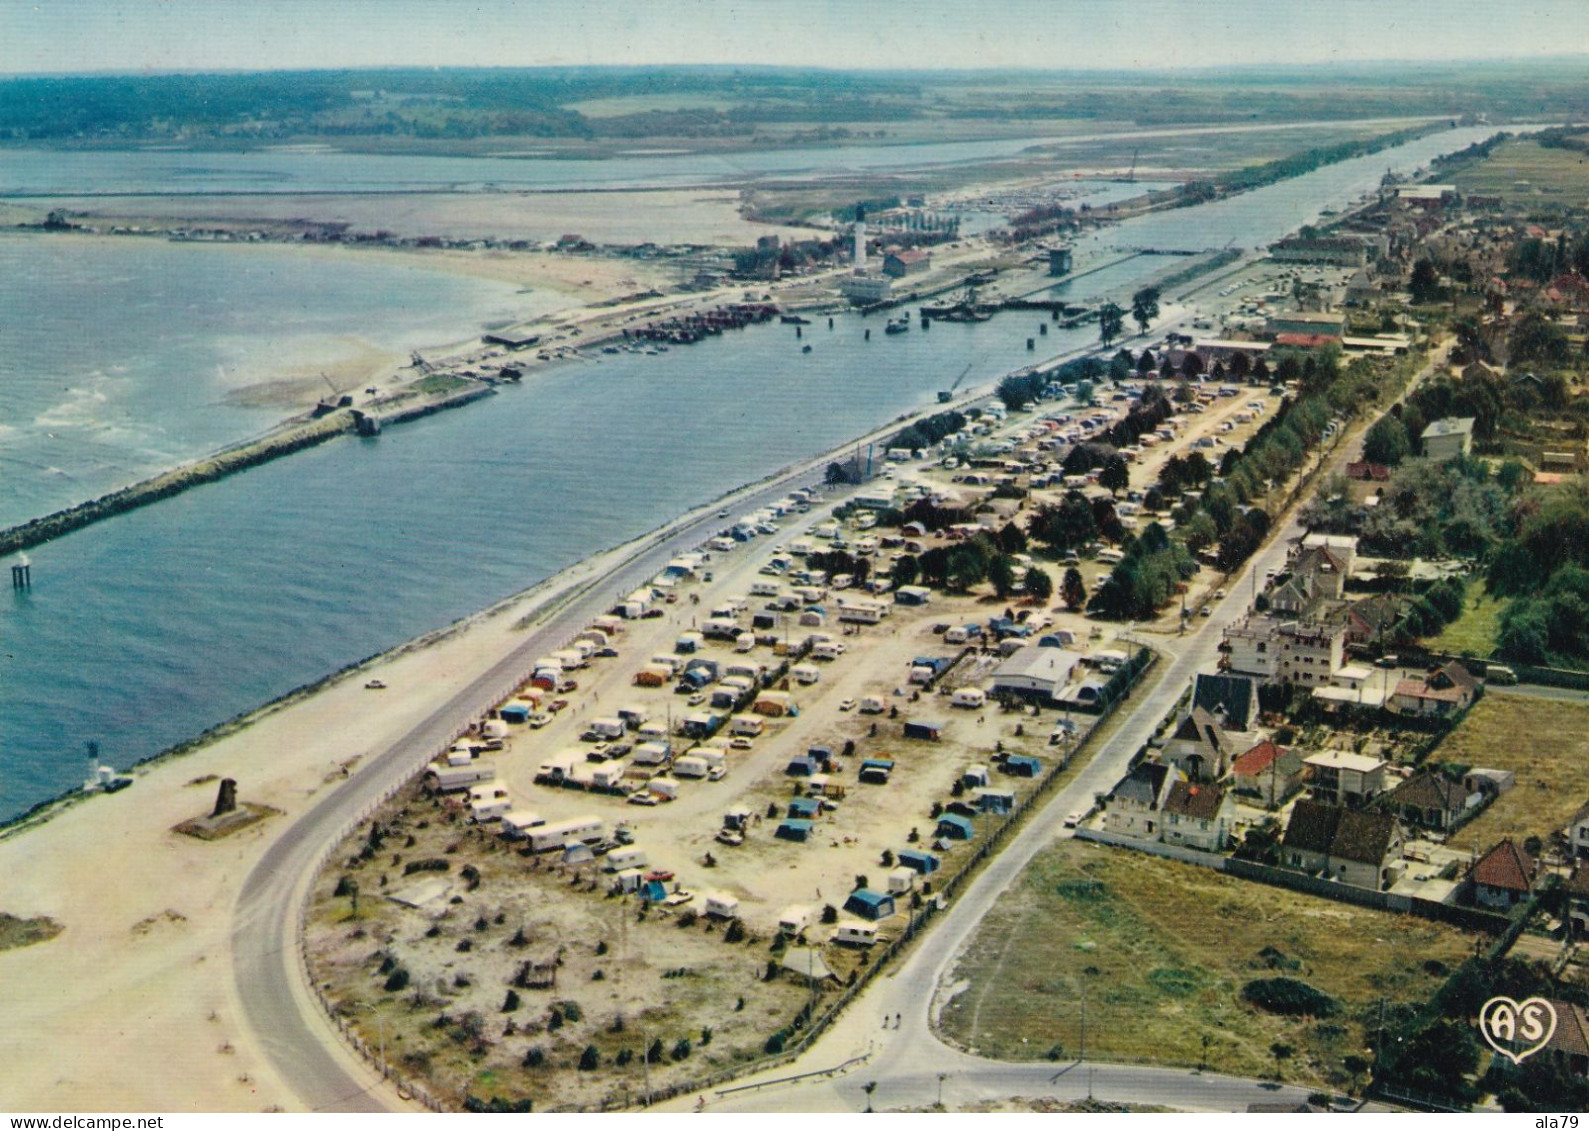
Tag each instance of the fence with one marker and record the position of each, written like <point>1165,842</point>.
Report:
<point>1467,918</point>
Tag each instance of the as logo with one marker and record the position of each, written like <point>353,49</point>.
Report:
<point>1527,1025</point>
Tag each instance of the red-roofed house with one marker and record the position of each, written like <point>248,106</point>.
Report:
<point>1377,472</point>
<point>1447,691</point>
<point>1503,877</point>
<point>1270,771</point>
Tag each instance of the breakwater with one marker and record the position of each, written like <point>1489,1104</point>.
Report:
<point>228,461</point>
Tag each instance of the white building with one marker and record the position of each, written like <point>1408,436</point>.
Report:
<point>1283,651</point>
<point>1035,672</point>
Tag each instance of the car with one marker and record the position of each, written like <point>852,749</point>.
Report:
<point>375,685</point>
<point>642,797</point>
<point>740,744</point>
<point>1074,819</point>
<point>556,705</point>
<point>539,719</point>
<point>847,705</point>
<point>1219,594</point>
<point>697,699</point>
<point>722,514</point>
<point>1206,611</point>
<point>606,653</point>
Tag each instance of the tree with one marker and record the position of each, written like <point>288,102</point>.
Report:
<point>1111,320</point>
<point>1115,476</point>
<point>1073,592</point>
<point>1145,307</point>
<point>1240,366</point>
<point>1001,572</point>
<point>840,474</point>
<point>905,571</point>
<point>590,1059</point>
<point>1425,283</point>
<point>1147,363</point>
<point>1039,585</point>
<point>1387,441</point>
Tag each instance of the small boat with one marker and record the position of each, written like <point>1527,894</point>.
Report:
<point>897,326</point>
<point>794,320</point>
<point>805,349</point>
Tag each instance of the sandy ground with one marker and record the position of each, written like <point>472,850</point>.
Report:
<point>133,1005</point>
<point>684,216</point>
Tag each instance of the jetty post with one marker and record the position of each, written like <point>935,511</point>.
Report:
<point>22,573</point>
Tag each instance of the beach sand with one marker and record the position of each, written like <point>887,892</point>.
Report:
<point>674,216</point>
<point>133,1006</point>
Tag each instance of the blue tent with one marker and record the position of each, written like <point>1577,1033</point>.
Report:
<point>515,713</point>
<point>871,905</point>
<point>955,827</point>
<point>653,891</point>
<point>801,767</point>
<point>804,808</point>
<point>793,829</point>
<point>929,732</point>
<point>924,862</point>
<point>1022,766</point>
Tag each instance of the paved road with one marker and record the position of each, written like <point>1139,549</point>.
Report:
<point>902,1059</point>
<point>303,1047</point>
<point>275,1002</point>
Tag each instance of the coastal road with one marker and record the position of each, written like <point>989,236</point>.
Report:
<point>276,1002</point>
<point>904,1062</point>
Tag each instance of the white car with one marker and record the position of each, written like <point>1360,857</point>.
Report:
<point>847,705</point>
<point>1073,819</point>
<point>539,719</point>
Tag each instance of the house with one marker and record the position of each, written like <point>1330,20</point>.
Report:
<point>1367,621</point>
<point>1198,815</point>
<point>1503,877</point>
<point>1576,889</point>
<point>1354,846</point>
<point>1578,833</point>
<point>870,905</point>
<point>1198,747</point>
<point>1035,674</point>
<point>1323,569</point>
<point>1270,771</point>
<point>1430,800</point>
<point>1355,685</point>
<point>863,289</point>
<point>1448,691</point>
<point>914,261</point>
<point>1342,546</point>
<point>1292,599</point>
<point>1137,802</point>
<point>1448,438</point>
<point>1285,651</point>
<point>1234,698</point>
<point>1368,472</point>
<point>1343,778</point>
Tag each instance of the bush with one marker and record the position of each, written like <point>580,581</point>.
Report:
<point>830,914</point>
<point>511,1002</point>
<point>572,1011</point>
<point>534,1057</point>
<point>1290,997</point>
<point>397,981</point>
<point>681,1048</point>
<point>774,1044</point>
<point>590,1059</point>
<point>735,932</point>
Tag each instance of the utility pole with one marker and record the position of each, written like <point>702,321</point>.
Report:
<point>645,1062</point>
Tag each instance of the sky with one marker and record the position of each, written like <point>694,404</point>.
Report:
<point>56,36</point>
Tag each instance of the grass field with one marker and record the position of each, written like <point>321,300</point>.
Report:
<point>1162,951</point>
<point>1545,742</point>
<point>1559,175</point>
<point>1473,633</point>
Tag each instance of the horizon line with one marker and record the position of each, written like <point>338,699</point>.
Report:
<point>1207,69</point>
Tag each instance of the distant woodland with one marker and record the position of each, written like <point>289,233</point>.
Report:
<point>741,104</point>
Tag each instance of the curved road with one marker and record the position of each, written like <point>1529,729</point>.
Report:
<point>307,1052</point>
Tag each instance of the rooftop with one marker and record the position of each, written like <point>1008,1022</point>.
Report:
<point>1450,426</point>
<point>1344,760</point>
